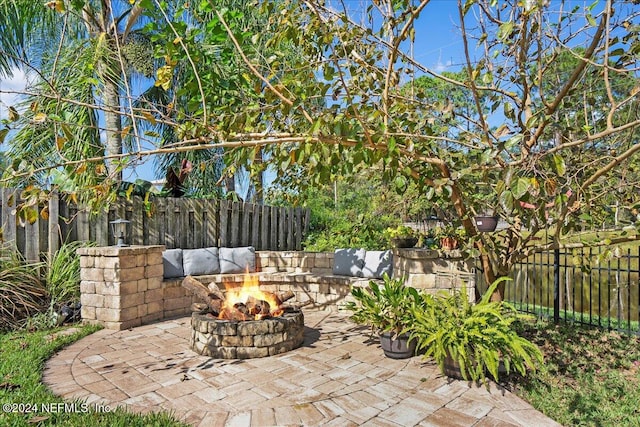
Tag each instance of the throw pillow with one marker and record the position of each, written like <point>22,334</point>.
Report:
<point>348,262</point>
<point>198,262</point>
<point>238,260</point>
<point>376,263</point>
<point>172,263</point>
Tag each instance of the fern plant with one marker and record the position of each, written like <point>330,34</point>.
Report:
<point>477,336</point>
<point>386,308</point>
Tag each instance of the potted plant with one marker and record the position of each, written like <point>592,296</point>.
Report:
<point>486,223</point>
<point>388,310</point>
<point>402,236</point>
<point>450,237</point>
<point>469,341</point>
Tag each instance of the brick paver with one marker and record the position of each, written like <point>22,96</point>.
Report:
<point>338,377</point>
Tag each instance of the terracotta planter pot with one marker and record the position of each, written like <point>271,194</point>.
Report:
<point>398,346</point>
<point>452,369</point>
<point>448,243</point>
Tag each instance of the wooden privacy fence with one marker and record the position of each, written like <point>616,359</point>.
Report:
<point>173,222</point>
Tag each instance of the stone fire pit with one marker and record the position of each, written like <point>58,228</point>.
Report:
<point>224,339</point>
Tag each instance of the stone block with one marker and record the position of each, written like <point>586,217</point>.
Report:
<point>105,262</point>
<point>127,314</point>
<point>143,310</point>
<point>143,285</point>
<point>154,307</point>
<point>322,262</point>
<point>313,287</point>
<point>133,323</point>
<point>132,300</point>
<point>177,303</point>
<point>421,281</point>
<point>237,341</point>
<point>128,261</point>
<point>92,300</point>
<point>141,260</point>
<point>110,275</point>
<point>88,313</point>
<point>87,287</point>
<point>154,283</point>
<point>154,258</point>
<point>221,352</point>
<point>268,339</point>
<point>151,317</point>
<point>108,314</point>
<point>253,328</point>
<point>86,262</point>
<point>129,274</point>
<point>251,352</point>
<point>153,295</point>
<point>129,287</point>
<point>103,288</point>
<point>306,262</point>
<point>92,274</point>
<point>178,312</point>
<point>175,292</point>
<point>154,270</point>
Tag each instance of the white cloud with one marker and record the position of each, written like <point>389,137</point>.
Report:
<point>9,91</point>
<point>442,66</point>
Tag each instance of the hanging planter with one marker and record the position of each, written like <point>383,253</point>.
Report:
<point>486,223</point>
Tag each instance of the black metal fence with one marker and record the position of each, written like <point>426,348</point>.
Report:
<point>590,286</point>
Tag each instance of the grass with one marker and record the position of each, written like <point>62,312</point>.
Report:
<point>22,358</point>
<point>590,377</point>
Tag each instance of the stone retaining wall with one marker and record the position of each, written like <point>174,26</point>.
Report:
<point>123,287</point>
<point>434,271</point>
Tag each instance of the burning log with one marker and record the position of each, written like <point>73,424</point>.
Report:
<point>199,307</point>
<point>212,299</point>
<point>240,303</point>
<point>284,296</point>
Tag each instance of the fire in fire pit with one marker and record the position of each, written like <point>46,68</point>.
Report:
<point>249,302</point>
<point>244,322</point>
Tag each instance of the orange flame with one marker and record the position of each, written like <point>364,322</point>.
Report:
<point>249,290</point>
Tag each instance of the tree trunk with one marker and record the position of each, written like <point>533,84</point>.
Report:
<point>469,226</point>
<point>113,124</point>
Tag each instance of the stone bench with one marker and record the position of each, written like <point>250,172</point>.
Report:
<point>124,287</point>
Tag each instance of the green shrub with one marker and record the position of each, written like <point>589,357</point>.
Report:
<point>22,292</point>
<point>477,336</point>
<point>386,308</point>
<point>63,273</point>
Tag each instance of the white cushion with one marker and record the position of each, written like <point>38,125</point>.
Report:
<point>348,262</point>
<point>376,263</point>
<point>198,262</point>
<point>237,260</point>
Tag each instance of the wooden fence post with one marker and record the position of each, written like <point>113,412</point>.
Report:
<point>8,220</point>
<point>53,237</point>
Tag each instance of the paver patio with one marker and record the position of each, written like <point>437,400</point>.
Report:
<point>339,377</point>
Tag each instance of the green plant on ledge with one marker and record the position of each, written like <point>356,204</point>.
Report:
<point>386,308</point>
<point>401,236</point>
<point>476,337</point>
<point>450,237</point>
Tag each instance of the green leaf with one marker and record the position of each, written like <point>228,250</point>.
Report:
<point>505,30</point>
<point>3,134</point>
<point>520,187</point>
<point>559,164</point>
